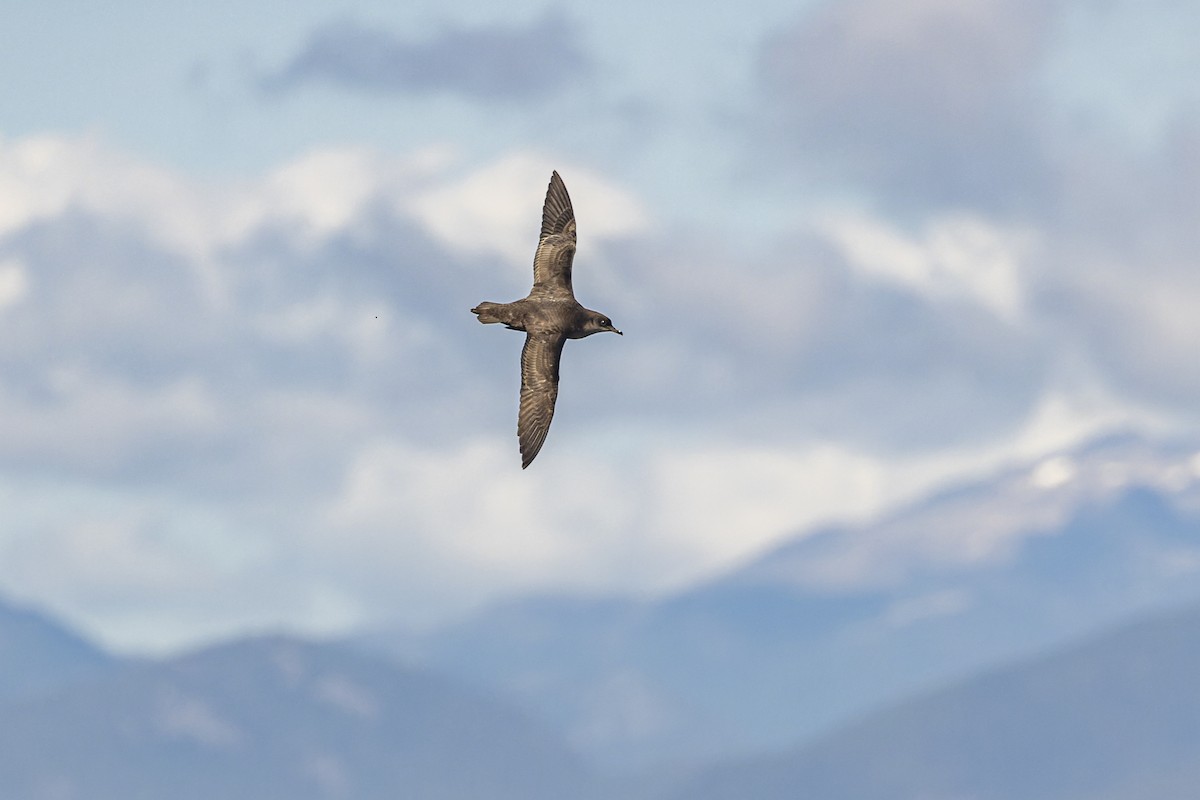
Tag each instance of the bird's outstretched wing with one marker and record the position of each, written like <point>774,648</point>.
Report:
<point>556,245</point>
<point>539,389</point>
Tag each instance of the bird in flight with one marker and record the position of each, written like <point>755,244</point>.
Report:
<point>549,316</point>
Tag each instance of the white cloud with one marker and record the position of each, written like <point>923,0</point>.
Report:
<point>14,283</point>
<point>1053,473</point>
<point>326,190</point>
<point>497,210</point>
<point>322,191</point>
<point>467,504</point>
<point>719,505</point>
<point>955,257</point>
<point>472,523</point>
<point>44,176</point>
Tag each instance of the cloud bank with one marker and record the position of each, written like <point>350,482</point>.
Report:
<point>269,388</point>
<point>489,63</point>
<point>275,383</point>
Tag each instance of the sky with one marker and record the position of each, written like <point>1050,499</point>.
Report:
<point>858,248</point>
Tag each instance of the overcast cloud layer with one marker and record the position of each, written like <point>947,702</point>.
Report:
<point>258,399</point>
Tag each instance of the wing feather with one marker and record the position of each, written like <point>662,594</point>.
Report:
<point>539,390</point>
<point>556,244</point>
<point>557,212</point>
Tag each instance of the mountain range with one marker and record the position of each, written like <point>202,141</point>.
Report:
<point>918,656</point>
<point>1114,718</point>
<point>274,717</point>
<point>38,654</point>
<point>839,621</point>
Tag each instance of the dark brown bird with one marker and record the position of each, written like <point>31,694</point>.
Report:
<point>549,316</point>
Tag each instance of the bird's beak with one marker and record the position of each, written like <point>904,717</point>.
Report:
<point>617,332</point>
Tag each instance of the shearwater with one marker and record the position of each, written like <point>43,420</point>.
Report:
<point>549,316</point>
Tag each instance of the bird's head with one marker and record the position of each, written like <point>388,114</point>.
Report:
<point>598,323</point>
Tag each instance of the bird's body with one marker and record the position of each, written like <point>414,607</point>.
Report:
<point>549,316</point>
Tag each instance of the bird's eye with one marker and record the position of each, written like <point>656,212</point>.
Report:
<point>606,323</point>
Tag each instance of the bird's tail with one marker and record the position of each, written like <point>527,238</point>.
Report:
<point>487,312</point>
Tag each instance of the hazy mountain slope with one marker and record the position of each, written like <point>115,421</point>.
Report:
<point>275,718</point>
<point>835,623</point>
<point>38,655</point>
<point>1116,718</point>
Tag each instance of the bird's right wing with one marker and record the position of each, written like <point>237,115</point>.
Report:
<point>539,389</point>
<point>556,244</point>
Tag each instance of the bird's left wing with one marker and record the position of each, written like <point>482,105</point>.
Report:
<point>539,390</point>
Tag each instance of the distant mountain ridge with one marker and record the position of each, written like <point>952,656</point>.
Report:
<point>1114,718</point>
<point>38,654</point>
<point>279,719</point>
<point>835,623</point>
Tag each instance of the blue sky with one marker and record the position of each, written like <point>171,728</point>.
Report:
<point>859,248</point>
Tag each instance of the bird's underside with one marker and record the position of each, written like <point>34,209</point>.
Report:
<point>549,316</point>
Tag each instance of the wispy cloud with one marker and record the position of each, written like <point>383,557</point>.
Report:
<point>491,63</point>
